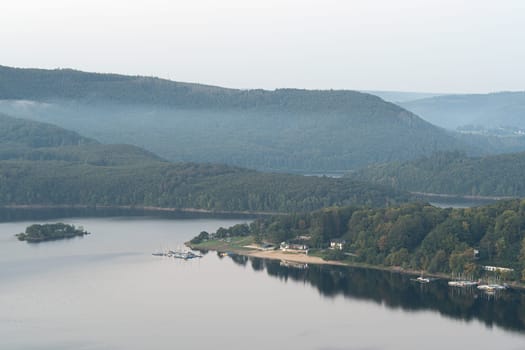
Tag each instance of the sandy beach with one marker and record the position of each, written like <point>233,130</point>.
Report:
<point>294,257</point>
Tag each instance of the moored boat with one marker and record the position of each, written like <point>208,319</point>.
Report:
<point>462,284</point>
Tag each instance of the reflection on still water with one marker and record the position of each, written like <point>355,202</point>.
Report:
<point>394,290</point>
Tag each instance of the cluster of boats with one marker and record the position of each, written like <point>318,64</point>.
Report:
<point>178,254</point>
<point>488,288</point>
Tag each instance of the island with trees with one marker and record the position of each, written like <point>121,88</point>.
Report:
<point>50,232</point>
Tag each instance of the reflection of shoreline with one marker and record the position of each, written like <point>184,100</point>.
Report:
<point>251,251</point>
<point>48,212</point>
<point>461,197</point>
<point>221,246</point>
<point>137,207</point>
<point>395,291</point>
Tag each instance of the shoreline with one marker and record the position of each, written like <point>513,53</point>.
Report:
<point>138,207</point>
<point>292,257</point>
<point>307,259</point>
<point>461,196</point>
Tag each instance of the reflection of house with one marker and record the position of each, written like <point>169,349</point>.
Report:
<point>337,244</point>
<point>295,248</point>
<point>497,269</point>
<point>293,264</point>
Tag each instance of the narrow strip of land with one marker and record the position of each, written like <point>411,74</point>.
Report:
<point>294,257</point>
<point>135,207</point>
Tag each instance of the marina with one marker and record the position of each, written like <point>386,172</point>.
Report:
<point>178,254</point>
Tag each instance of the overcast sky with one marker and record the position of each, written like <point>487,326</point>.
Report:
<point>410,45</point>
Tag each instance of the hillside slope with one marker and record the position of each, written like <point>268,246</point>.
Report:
<point>96,174</point>
<point>284,130</point>
<point>453,173</point>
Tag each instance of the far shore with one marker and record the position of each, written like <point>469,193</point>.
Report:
<point>144,208</point>
<point>461,196</point>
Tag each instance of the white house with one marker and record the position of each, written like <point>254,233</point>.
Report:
<point>295,248</point>
<point>337,244</point>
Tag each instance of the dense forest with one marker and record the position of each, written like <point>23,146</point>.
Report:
<point>453,173</point>
<point>279,130</point>
<point>88,173</point>
<point>202,186</point>
<point>21,132</point>
<point>415,236</point>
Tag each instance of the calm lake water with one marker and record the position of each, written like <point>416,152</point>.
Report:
<point>106,291</point>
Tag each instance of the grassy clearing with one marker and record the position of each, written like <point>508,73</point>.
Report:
<point>230,244</point>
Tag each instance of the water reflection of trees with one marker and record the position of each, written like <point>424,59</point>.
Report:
<point>32,214</point>
<point>397,291</point>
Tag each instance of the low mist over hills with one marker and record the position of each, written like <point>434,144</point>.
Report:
<point>284,130</point>
<point>401,96</point>
<point>503,109</point>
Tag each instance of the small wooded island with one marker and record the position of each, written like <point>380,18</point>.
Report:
<point>49,232</point>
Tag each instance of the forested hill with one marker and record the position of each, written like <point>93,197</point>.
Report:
<point>68,84</point>
<point>503,109</point>
<point>16,131</point>
<point>285,129</point>
<point>453,173</point>
<point>22,139</point>
<point>95,174</point>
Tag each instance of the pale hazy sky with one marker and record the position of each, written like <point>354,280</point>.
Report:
<point>411,45</point>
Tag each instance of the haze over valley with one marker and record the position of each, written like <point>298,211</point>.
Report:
<point>287,130</point>
<point>278,174</point>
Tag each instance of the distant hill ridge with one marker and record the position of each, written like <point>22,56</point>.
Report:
<point>281,130</point>
<point>45,85</point>
<point>489,110</point>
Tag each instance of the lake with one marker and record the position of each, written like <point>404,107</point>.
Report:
<point>106,291</point>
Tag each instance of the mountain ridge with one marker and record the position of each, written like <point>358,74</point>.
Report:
<point>280,130</point>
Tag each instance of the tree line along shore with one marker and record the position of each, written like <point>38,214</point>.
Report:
<point>408,237</point>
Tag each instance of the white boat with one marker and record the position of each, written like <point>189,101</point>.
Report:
<point>184,254</point>
<point>462,284</point>
<point>491,288</point>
